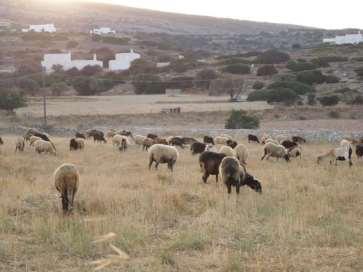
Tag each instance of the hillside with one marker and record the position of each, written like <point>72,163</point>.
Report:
<point>82,16</point>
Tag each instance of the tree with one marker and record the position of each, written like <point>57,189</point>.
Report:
<point>204,77</point>
<point>148,84</point>
<point>91,70</point>
<point>298,87</point>
<point>329,100</point>
<point>11,100</point>
<point>91,86</point>
<point>297,66</point>
<point>258,85</point>
<point>58,88</point>
<point>311,77</point>
<point>272,57</point>
<point>29,85</point>
<point>266,70</point>
<point>284,95</point>
<point>238,69</point>
<point>241,120</point>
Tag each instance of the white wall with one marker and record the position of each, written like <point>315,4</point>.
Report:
<point>123,61</point>
<point>41,28</point>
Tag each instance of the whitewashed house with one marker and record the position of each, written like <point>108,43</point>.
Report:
<point>123,61</point>
<point>345,39</point>
<point>65,60</point>
<point>50,28</point>
<point>162,64</point>
<point>102,31</point>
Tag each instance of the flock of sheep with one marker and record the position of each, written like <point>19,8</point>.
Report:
<point>229,160</point>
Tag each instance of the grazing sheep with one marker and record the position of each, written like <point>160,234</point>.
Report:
<point>345,142</point>
<point>80,135</point>
<point>97,138</point>
<point>94,133</point>
<point>198,148</point>
<point>1,141</point>
<point>342,153</point>
<point>253,138</point>
<point>232,143</point>
<point>35,132</point>
<point>20,144</point>
<point>33,139</point>
<point>139,139</point>
<point>176,141</point>
<point>264,138</point>
<point>298,139</point>
<point>209,163</point>
<point>152,136</point>
<point>66,180</point>
<point>221,140</point>
<point>147,143</point>
<point>270,140</point>
<point>42,146</point>
<point>275,151</point>
<point>208,140</point>
<point>188,140</point>
<point>111,133</point>
<point>76,144</point>
<point>295,152</point>
<point>123,145</point>
<point>359,151</point>
<point>228,151</point>
<point>125,133</point>
<point>241,153</point>
<point>230,173</point>
<point>160,141</point>
<point>118,139</point>
<point>250,181</point>
<point>226,136</point>
<point>289,145</point>
<point>160,153</point>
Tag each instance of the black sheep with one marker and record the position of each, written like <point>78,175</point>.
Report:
<point>80,135</point>
<point>176,141</point>
<point>230,171</point>
<point>1,141</point>
<point>208,140</point>
<point>253,138</point>
<point>298,139</point>
<point>251,182</point>
<point>99,138</point>
<point>152,136</point>
<point>188,140</point>
<point>232,143</point>
<point>289,144</point>
<point>359,151</point>
<point>198,148</point>
<point>209,163</point>
<point>73,145</point>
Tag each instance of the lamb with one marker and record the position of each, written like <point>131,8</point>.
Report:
<point>80,135</point>
<point>76,144</point>
<point>160,153</point>
<point>198,148</point>
<point>208,140</point>
<point>66,180</point>
<point>221,140</point>
<point>298,139</point>
<point>252,138</point>
<point>230,173</point>
<point>42,146</point>
<point>33,139</point>
<point>209,163</point>
<point>232,143</point>
<point>228,151</point>
<point>20,144</point>
<point>289,145</point>
<point>342,153</point>
<point>275,151</point>
<point>295,152</point>
<point>359,151</point>
<point>241,153</point>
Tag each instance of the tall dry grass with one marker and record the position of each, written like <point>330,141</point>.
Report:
<point>309,217</point>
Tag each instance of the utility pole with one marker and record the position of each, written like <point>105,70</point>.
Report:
<point>44,100</point>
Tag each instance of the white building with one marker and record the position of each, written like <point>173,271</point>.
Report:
<point>123,61</point>
<point>102,31</point>
<point>162,64</point>
<point>65,60</point>
<point>50,28</point>
<point>346,39</point>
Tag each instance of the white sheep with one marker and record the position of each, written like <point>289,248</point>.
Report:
<point>42,146</point>
<point>230,171</point>
<point>241,153</point>
<point>111,133</point>
<point>139,139</point>
<point>118,139</point>
<point>271,140</point>
<point>341,153</point>
<point>160,153</point>
<point>66,181</point>
<point>20,144</point>
<point>275,151</point>
<point>33,139</point>
<point>345,142</point>
<point>228,151</point>
<point>221,140</point>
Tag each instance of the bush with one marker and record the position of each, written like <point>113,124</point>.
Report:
<point>284,95</point>
<point>58,88</point>
<point>11,100</point>
<point>334,114</point>
<point>30,86</point>
<point>298,66</point>
<point>204,77</point>
<point>148,84</point>
<point>241,120</point>
<point>258,85</point>
<point>91,86</point>
<point>267,70</point>
<point>298,87</point>
<point>91,70</point>
<point>111,39</point>
<point>359,71</point>
<point>319,62</point>
<point>238,69</point>
<point>272,57</point>
<point>329,100</point>
<point>311,77</point>
<point>311,99</point>
<point>331,79</point>
<point>357,100</point>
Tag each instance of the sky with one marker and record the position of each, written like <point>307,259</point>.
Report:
<point>329,14</point>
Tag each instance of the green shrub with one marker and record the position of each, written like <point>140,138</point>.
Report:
<point>311,77</point>
<point>241,120</point>
<point>272,57</point>
<point>148,84</point>
<point>111,39</point>
<point>298,66</point>
<point>319,62</point>
<point>258,85</point>
<point>239,69</point>
<point>29,85</point>
<point>266,70</point>
<point>329,100</point>
<point>298,87</point>
<point>11,100</point>
<point>311,99</point>
<point>284,95</point>
<point>91,86</point>
<point>234,60</point>
<point>330,79</point>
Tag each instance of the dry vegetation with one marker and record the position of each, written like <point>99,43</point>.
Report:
<point>309,217</point>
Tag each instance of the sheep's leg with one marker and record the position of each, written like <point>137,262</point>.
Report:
<point>264,155</point>
<point>237,188</point>
<point>150,162</point>
<point>205,177</point>
<point>156,165</point>
<point>65,202</point>
<point>229,188</point>
<point>217,176</point>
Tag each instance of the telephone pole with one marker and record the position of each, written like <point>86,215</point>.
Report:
<point>44,100</point>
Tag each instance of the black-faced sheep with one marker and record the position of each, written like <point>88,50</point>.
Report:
<point>230,173</point>
<point>241,154</point>
<point>125,133</point>
<point>76,144</point>
<point>253,138</point>
<point>160,153</point>
<point>152,136</point>
<point>342,153</point>
<point>20,144</point>
<point>209,163</point>
<point>99,138</point>
<point>250,181</point>
<point>42,146</point>
<point>232,143</point>
<point>208,140</point>
<point>359,151</point>
<point>80,135</point>
<point>228,151</point>
<point>295,152</point>
<point>37,133</point>
<point>176,141</point>
<point>198,148</point>
<point>95,134</point>
<point>298,139</point>
<point>289,145</point>
<point>275,151</point>
<point>66,180</point>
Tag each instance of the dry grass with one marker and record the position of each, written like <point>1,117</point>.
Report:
<point>309,217</point>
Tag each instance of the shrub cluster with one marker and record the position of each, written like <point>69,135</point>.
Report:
<point>300,65</point>
<point>242,120</point>
<point>239,69</point>
<point>266,70</point>
<point>272,57</point>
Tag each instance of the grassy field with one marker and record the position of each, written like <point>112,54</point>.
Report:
<point>309,217</point>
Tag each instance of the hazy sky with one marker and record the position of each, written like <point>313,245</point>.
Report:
<point>318,13</point>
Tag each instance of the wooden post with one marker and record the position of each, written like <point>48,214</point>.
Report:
<point>44,101</point>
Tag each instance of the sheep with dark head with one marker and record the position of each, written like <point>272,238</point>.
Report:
<point>161,154</point>
<point>189,140</point>
<point>359,151</point>
<point>176,141</point>
<point>208,140</point>
<point>66,179</point>
<point>209,164</point>
<point>253,138</point>
<point>232,143</point>
<point>341,153</point>
<point>250,181</point>
<point>289,145</point>
<point>147,143</point>
<point>298,139</point>
<point>80,135</point>
<point>76,144</point>
<point>230,173</point>
<point>198,148</point>
<point>152,136</point>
